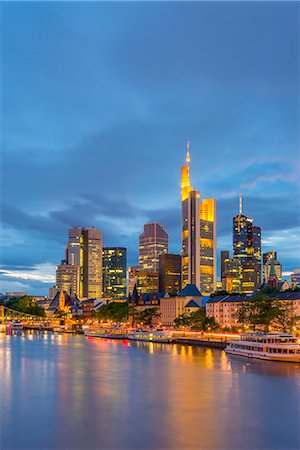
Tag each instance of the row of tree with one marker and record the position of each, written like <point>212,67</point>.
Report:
<point>263,311</point>
<point>26,305</point>
<point>196,321</point>
<point>123,312</point>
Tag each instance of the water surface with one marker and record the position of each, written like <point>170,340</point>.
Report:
<point>71,392</point>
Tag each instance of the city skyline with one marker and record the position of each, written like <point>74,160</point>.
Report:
<point>97,135</point>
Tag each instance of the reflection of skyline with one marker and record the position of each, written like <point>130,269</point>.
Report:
<point>74,392</point>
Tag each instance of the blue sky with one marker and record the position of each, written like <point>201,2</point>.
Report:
<point>98,100</point>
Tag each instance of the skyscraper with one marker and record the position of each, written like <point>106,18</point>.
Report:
<point>223,256</point>
<point>198,235</point>
<point>208,240</point>
<point>170,273</point>
<point>114,272</point>
<point>68,278</point>
<point>247,250</point>
<point>84,249</point>
<point>153,242</point>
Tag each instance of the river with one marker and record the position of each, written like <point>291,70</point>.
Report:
<point>73,392</point>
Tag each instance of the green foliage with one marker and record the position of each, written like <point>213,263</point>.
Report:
<point>147,315</point>
<point>287,318</point>
<point>26,305</point>
<point>260,312</point>
<point>196,321</point>
<point>220,292</point>
<point>114,311</point>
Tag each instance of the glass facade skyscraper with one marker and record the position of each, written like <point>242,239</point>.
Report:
<point>153,242</point>
<point>114,261</point>
<point>198,235</point>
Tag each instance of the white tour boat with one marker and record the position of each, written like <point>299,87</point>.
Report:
<point>150,335</point>
<point>270,346</point>
<point>107,333</point>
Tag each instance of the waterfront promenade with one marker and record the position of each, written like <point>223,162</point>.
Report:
<point>63,392</point>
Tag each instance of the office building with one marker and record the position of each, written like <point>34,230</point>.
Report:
<point>274,266</point>
<point>208,240</point>
<point>198,235</point>
<point>269,255</point>
<point>153,242</point>
<point>232,275</point>
<point>247,249</point>
<point>223,256</point>
<point>146,281</point>
<point>114,272</point>
<point>84,249</point>
<point>295,279</point>
<point>68,278</point>
<point>170,273</point>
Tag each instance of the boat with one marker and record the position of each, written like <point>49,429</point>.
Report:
<point>107,333</point>
<point>16,326</point>
<point>150,335</point>
<point>269,346</point>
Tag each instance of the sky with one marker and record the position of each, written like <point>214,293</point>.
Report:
<point>98,100</point>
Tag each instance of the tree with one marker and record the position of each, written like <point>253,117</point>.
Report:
<point>260,312</point>
<point>287,318</point>
<point>196,321</point>
<point>26,305</point>
<point>114,311</point>
<point>147,315</point>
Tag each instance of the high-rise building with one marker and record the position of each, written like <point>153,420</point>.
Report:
<point>146,281</point>
<point>153,242</point>
<point>224,255</point>
<point>269,255</point>
<point>247,248</point>
<point>198,235</point>
<point>232,275</point>
<point>208,240</point>
<point>84,249</point>
<point>170,273</point>
<point>273,266</point>
<point>295,279</point>
<point>250,277</point>
<point>114,272</point>
<point>68,278</point>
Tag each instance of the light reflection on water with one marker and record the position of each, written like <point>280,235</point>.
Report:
<point>68,392</point>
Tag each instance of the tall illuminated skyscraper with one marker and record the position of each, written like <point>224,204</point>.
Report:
<point>153,242</point>
<point>114,272</point>
<point>247,249</point>
<point>84,249</point>
<point>198,235</point>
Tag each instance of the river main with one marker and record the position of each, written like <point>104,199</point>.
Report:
<point>71,392</point>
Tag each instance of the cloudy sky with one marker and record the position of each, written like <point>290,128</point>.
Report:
<point>98,100</point>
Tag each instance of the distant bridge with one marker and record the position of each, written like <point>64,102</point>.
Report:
<point>9,314</point>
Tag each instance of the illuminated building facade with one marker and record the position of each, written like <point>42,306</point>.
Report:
<point>146,281</point>
<point>84,249</point>
<point>170,273</point>
<point>295,279</point>
<point>232,275</point>
<point>223,256</point>
<point>272,265</point>
<point>247,250</point>
<point>68,278</point>
<point>198,235</point>
<point>114,272</point>
<point>208,240</point>
<point>153,242</point>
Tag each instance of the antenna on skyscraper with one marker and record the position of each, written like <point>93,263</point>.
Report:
<point>241,203</point>
<point>188,154</point>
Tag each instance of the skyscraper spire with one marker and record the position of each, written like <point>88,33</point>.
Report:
<point>241,203</point>
<point>188,154</point>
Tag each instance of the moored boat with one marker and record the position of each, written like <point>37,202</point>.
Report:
<point>270,346</point>
<point>108,333</point>
<point>150,335</point>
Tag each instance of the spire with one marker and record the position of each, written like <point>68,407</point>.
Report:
<point>241,203</point>
<point>188,154</point>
